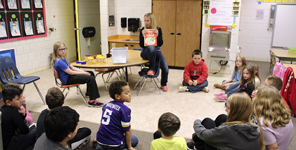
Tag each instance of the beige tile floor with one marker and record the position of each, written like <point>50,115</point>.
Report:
<point>147,107</point>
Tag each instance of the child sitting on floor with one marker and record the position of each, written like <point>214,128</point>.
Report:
<point>115,129</point>
<point>246,83</point>
<point>240,63</point>
<point>55,98</point>
<point>195,75</point>
<point>60,127</point>
<point>15,132</point>
<point>168,125</point>
<point>275,118</point>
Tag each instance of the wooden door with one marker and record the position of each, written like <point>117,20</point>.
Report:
<point>165,14</point>
<point>188,30</point>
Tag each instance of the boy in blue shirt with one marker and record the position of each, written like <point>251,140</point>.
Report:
<point>115,130</point>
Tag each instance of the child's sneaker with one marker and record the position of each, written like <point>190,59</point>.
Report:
<point>164,88</point>
<point>205,89</point>
<point>222,97</point>
<point>183,89</point>
<point>150,73</point>
<point>218,94</point>
<point>95,103</point>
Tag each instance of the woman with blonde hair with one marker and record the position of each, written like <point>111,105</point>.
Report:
<point>153,53</point>
<point>241,131</point>
<point>275,118</point>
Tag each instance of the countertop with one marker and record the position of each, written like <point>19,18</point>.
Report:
<point>121,38</point>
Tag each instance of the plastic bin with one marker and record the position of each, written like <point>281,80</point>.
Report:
<point>119,55</point>
<point>292,50</point>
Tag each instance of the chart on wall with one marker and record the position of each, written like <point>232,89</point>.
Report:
<point>22,19</point>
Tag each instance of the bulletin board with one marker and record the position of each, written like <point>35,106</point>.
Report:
<point>221,12</point>
<point>22,19</point>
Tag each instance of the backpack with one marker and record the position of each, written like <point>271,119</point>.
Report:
<point>279,70</point>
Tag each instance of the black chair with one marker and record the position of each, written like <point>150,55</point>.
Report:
<point>9,73</point>
<point>144,76</point>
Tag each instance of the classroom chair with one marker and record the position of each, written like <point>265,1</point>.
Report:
<point>64,86</point>
<point>109,71</point>
<point>144,76</point>
<point>11,74</point>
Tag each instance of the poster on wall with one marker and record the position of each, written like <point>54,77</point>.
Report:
<point>13,23</point>
<point>1,5</point>
<point>39,23</point>
<point>25,4</point>
<point>12,4</point>
<point>3,32</point>
<point>38,4</point>
<point>27,24</point>
<point>220,13</point>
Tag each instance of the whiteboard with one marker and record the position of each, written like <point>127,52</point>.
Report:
<point>284,31</point>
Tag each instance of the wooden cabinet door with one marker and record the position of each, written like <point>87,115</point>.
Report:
<point>180,21</point>
<point>188,30</point>
<point>165,14</point>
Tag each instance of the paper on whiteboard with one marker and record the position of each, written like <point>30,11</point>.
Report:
<point>220,13</point>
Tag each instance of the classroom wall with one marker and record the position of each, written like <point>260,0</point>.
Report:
<point>33,54</point>
<point>123,8</point>
<point>254,36</point>
<point>213,65</point>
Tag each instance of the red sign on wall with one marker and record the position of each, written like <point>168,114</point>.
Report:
<point>218,28</point>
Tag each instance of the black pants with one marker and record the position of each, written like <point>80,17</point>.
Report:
<point>208,123</point>
<point>23,141</point>
<point>91,88</point>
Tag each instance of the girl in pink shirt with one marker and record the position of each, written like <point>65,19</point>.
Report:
<point>275,118</point>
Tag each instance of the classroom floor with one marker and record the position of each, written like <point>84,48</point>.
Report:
<point>148,106</point>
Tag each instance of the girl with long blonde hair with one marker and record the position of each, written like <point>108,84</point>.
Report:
<point>275,118</point>
<point>153,53</point>
<point>68,74</point>
<point>240,131</point>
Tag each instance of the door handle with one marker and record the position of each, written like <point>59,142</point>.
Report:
<point>126,45</point>
<point>132,45</point>
<point>178,33</point>
<point>172,33</point>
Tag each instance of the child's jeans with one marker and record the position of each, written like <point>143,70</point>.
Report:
<point>196,88</point>
<point>233,88</point>
<point>121,147</point>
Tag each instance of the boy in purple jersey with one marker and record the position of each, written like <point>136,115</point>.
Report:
<point>115,130</point>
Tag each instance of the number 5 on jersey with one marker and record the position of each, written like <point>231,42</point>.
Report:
<point>106,117</point>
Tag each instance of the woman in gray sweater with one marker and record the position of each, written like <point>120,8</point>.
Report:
<point>239,132</point>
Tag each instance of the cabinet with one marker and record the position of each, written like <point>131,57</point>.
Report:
<point>180,21</point>
<point>124,44</point>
